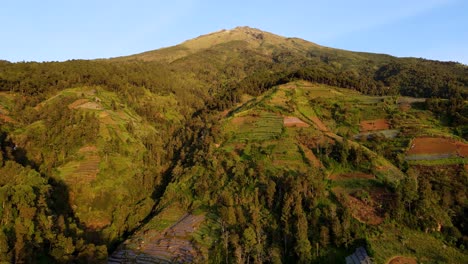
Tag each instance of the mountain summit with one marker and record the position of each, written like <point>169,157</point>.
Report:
<point>251,38</point>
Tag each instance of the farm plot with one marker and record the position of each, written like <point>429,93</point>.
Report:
<point>171,245</point>
<point>374,125</point>
<point>83,171</point>
<point>257,127</point>
<point>434,148</point>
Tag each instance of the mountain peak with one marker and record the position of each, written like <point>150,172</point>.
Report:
<point>252,38</point>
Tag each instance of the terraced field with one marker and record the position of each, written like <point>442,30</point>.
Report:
<point>257,127</point>
<point>436,148</point>
<point>83,171</point>
<point>172,245</point>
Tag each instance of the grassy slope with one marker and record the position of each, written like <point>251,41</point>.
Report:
<point>258,123</point>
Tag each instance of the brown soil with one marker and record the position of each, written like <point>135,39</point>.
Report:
<point>291,121</point>
<point>352,175</point>
<point>91,105</point>
<point>77,103</point>
<point>433,145</point>
<point>402,260</point>
<point>373,125</point>
<point>462,149</point>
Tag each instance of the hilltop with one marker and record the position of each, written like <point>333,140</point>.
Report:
<point>236,146</point>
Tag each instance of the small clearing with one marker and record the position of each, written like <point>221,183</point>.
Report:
<point>374,125</point>
<point>292,121</point>
<point>77,103</point>
<point>402,260</point>
<point>91,105</point>
<point>85,104</point>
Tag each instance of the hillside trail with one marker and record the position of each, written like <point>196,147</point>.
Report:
<point>172,245</point>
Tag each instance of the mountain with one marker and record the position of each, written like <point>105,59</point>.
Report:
<point>236,146</point>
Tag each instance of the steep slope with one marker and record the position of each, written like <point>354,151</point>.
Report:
<point>237,146</point>
<point>297,152</point>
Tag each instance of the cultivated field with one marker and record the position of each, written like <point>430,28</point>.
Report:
<point>374,125</point>
<point>431,148</point>
<point>171,245</point>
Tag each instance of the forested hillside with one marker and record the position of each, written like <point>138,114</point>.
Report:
<point>239,146</point>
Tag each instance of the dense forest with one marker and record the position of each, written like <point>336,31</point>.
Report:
<point>92,150</point>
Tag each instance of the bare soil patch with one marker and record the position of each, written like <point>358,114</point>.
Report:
<point>437,145</point>
<point>77,103</point>
<point>462,149</point>
<point>402,260</point>
<point>91,105</point>
<point>374,125</point>
<point>351,175</point>
<point>292,121</point>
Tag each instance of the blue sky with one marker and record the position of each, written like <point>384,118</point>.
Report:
<point>51,30</point>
